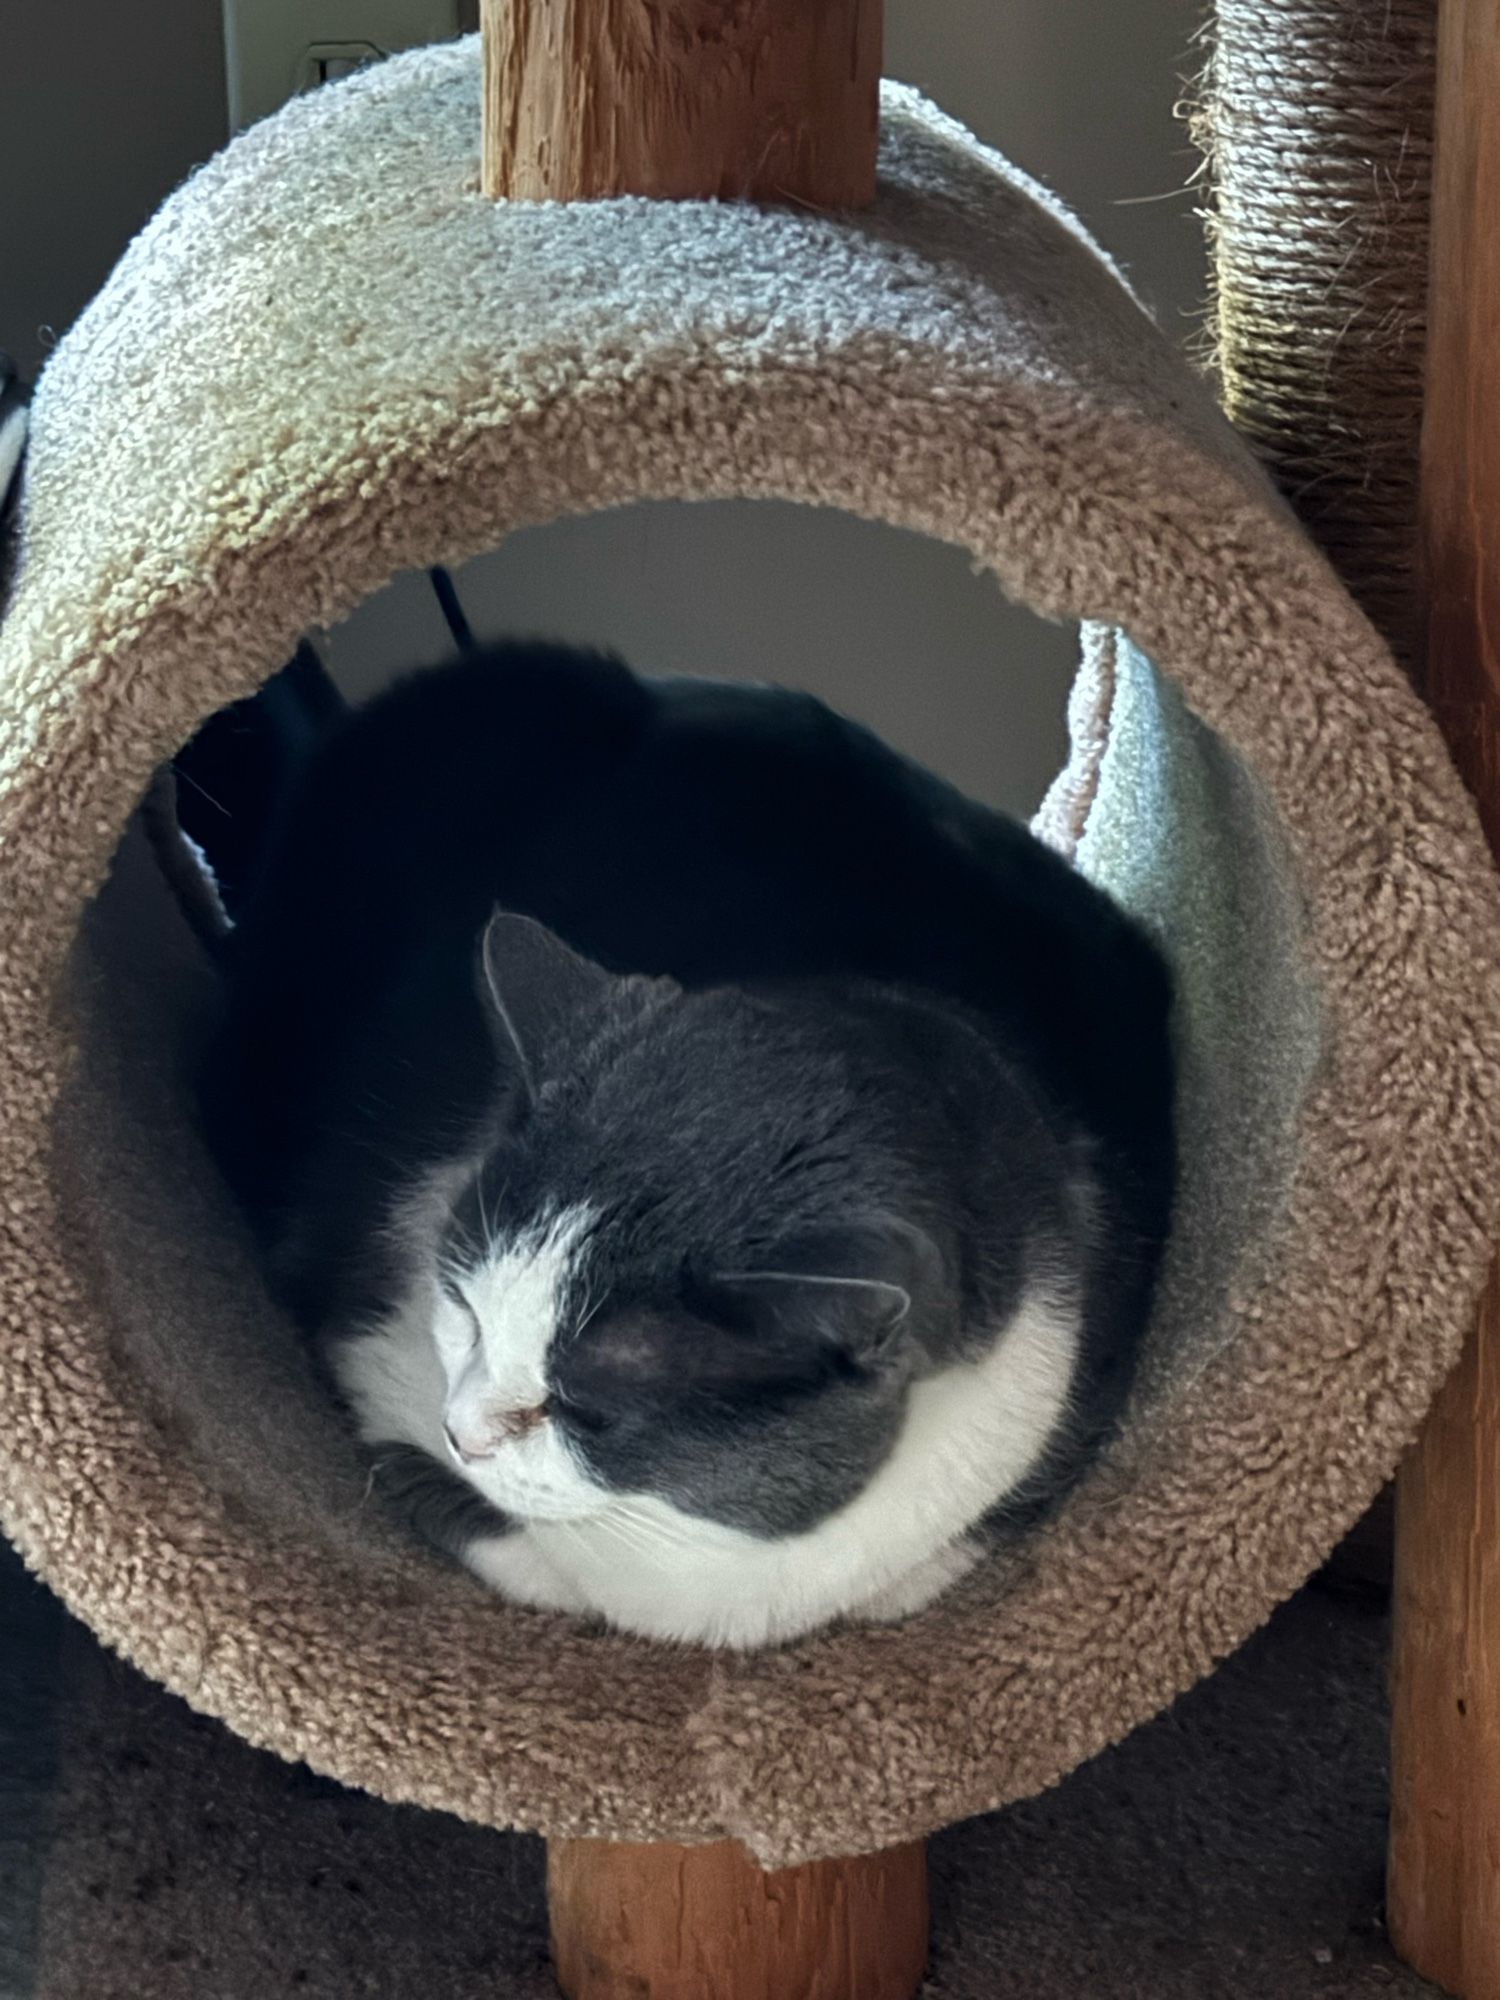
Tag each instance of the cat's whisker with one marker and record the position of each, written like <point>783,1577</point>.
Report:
<point>611,1523</point>
<point>646,1531</point>
<point>591,1306</point>
<point>583,1318</point>
<point>489,1218</point>
<point>634,1542</point>
<point>372,1475</point>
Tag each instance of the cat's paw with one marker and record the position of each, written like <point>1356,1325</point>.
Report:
<point>514,1567</point>
<point>916,1588</point>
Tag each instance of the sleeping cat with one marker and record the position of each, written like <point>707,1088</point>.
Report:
<point>724,1167</point>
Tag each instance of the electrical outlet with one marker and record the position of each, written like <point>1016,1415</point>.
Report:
<point>274,48</point>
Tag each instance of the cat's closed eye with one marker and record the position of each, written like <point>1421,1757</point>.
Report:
<point>589,1413</point>
<point>458,1330</point>
<point>656,1358</point>
<point>611,1364</point>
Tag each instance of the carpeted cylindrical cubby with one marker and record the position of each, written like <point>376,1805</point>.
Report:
<point>330,358</point>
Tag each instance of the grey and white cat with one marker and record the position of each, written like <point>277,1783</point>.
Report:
<point>732,1295</point>
<point>745,1309</point>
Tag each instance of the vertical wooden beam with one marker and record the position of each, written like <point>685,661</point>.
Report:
<point>658,1922</point>
<point>767,100</point>
<point>1444,1888</point>
<point>764,100</point>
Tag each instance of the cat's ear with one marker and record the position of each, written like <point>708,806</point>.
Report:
<point>854,1287</point>
<point>529,981</point>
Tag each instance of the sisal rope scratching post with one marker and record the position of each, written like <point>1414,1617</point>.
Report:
<point>1318,120</point>
<point>1444,1890</point>
<point>771,100</point>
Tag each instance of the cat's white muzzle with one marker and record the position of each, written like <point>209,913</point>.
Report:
<point>529,1474</point>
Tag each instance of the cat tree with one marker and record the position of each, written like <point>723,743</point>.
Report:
<point>334,355</point>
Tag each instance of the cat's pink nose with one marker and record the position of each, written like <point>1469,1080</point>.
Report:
<point>472,1447</point>
<point>469,1449</point>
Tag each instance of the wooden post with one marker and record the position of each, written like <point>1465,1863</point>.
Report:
<point>767,100</point>
<point>1444,1889</point>
<point>657,1922</point>
<point>763,100</point>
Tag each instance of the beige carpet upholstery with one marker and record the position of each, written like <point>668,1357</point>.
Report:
<point>330,358</point>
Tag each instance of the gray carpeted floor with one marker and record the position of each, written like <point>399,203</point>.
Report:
<point>1232,1851</point>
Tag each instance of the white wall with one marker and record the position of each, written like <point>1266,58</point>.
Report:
<point>104,106</point>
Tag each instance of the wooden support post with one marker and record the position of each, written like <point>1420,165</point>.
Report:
<point>767,100</point>
<point>1444,1891</point>
<point>659,1922</point>
<point>764,100</point>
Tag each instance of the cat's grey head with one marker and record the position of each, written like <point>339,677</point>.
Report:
<point>704,1255</point>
